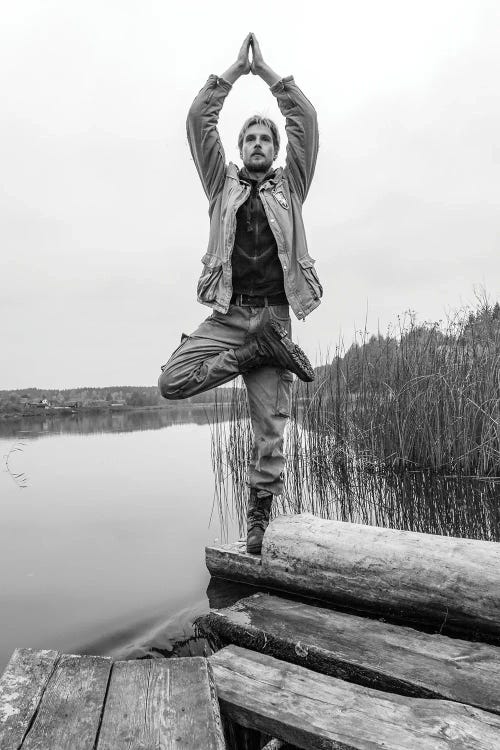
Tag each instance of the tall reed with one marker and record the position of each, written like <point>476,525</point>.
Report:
<point>428,398</point>
<point>386,430</point>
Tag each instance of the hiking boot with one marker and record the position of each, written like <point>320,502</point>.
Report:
<point>258,512</point>
<point>273,346</point>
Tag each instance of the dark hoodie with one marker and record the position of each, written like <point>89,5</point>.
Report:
<point>256,267</point>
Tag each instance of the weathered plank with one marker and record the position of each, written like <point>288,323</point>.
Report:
<point>70,709</point>
<point>311,710</point>
<point>162,704</point>
<point>21,688</point>
<point>361,650</point>
<point>232,561</point>
<point>400,574</point>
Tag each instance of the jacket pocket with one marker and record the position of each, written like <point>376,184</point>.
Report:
<point>210,277</point>
<point>310,275</point>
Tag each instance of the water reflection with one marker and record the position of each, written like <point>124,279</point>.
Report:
<point>89,423</point>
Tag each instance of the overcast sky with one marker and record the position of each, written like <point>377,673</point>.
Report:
<point>102,218</point>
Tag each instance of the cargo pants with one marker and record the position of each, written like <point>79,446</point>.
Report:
<point>206,359</point>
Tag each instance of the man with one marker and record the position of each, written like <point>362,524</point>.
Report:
<point>256,267</point>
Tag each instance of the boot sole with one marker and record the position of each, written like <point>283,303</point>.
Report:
<point>303,368</point>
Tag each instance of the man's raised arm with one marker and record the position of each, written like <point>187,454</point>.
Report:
<point>203,116</point>
<point>301,123</point>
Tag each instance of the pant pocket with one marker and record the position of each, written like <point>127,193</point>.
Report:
<point>184,338</point>
<point>284,394</point>
<point>280,313</point>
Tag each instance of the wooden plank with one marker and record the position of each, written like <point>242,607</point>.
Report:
<point>311,710</point>
<point>400,574</point>
<point>71,706</point>
<point>21,688</point>
<point>162,704</point>
<point>232,561</point>
<point>357,649</point>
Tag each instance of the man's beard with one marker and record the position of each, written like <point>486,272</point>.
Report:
<point>260,166</point>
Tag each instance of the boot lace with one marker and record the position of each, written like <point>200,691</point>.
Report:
<point>258,517</point>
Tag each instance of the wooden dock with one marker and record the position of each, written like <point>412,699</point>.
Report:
<point>406,576</point>
<point>356,638</point>
<point>367,652</point>
<point>317,664</point>
<point>52,701</point>
<point>314,712</point>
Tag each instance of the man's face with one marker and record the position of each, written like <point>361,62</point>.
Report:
<point>257,150</point>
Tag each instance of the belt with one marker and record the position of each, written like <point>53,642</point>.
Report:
<point>249,300</point>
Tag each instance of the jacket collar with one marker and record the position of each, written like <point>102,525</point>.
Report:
<point>245,177</point>
<point>274,176</point>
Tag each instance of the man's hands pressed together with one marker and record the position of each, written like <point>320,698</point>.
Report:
<point>243,59</point>
<point>257,66</point>
<point>242,65</point>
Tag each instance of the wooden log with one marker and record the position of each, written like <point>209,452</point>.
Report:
<point>70,710</point>
<point>450,582</point>
<point>21,688</point>
<point>311,710</point>
<point>232,561</point>
<point>357,649</point>
<point>167,703</point>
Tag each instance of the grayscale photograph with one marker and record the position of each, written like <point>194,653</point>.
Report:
<point>250,375</point>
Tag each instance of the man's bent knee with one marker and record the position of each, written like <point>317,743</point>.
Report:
<point>168,386</point>
<point>168,383</point>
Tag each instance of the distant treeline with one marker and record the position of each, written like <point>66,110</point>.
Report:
<point>34,400</point>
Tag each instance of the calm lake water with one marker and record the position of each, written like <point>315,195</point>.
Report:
<point>104,523</point>
<point>105,519</point>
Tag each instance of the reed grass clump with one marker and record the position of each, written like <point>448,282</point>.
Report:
<point>426,398</point>
<point>401,430</point>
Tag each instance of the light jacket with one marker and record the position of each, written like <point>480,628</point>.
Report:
<point>282,195</point>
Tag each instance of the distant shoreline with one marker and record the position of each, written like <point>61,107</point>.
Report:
<point>68,411</point>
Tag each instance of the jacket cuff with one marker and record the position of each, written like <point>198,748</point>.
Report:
<point>280,85</point>
<point>214,81</point>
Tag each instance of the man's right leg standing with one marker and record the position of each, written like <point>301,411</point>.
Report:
<point>223,347</point>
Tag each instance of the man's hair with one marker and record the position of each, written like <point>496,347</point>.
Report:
<point>258,120</point>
